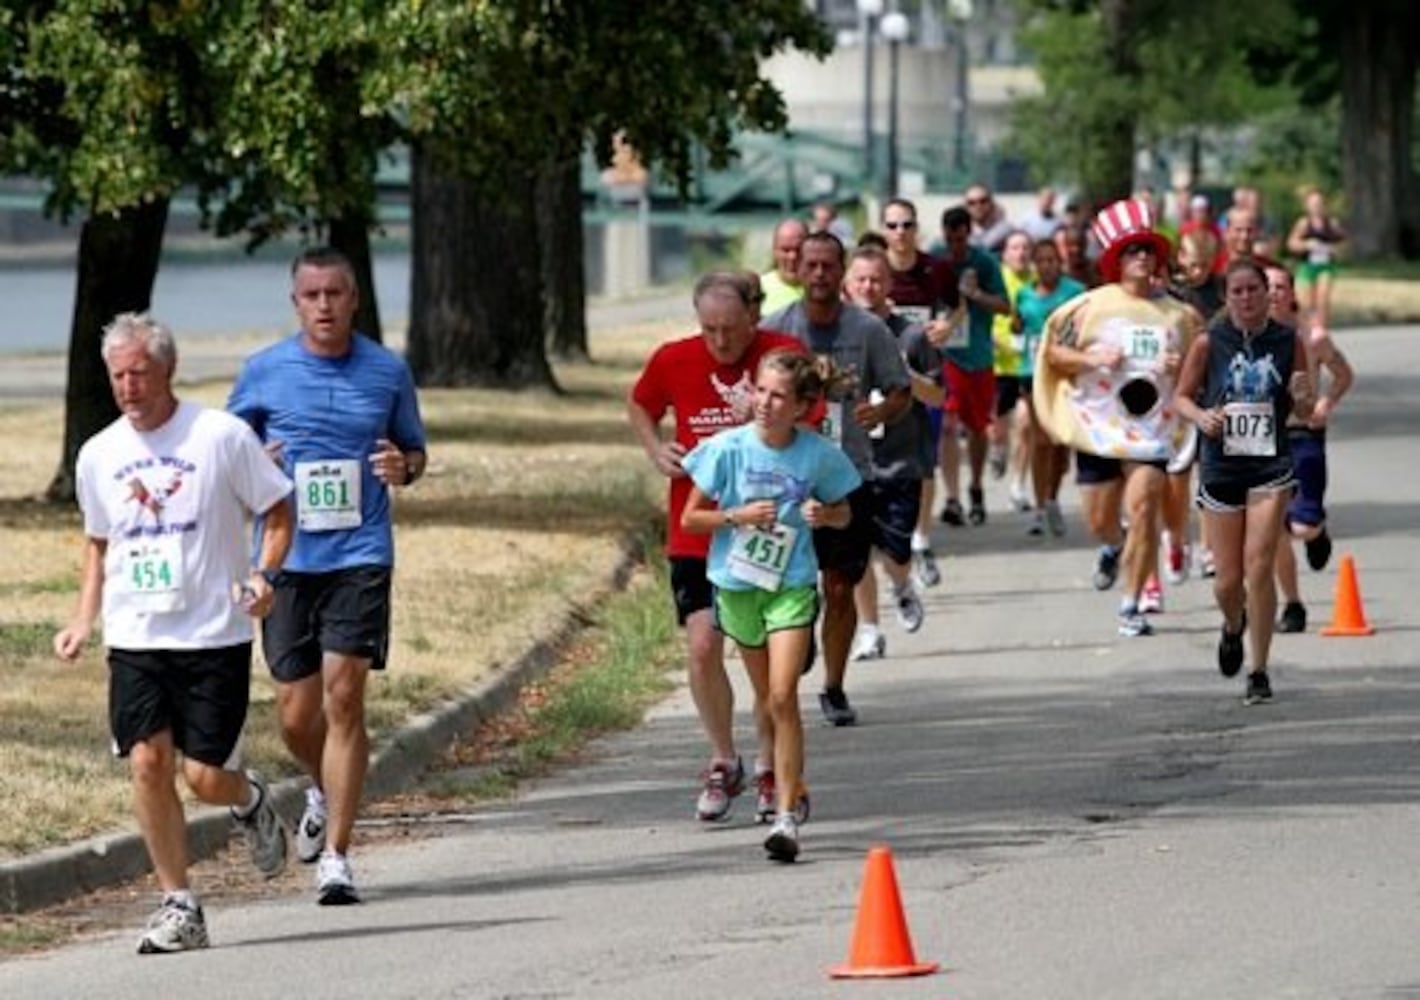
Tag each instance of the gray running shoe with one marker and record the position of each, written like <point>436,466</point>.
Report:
<point>910,613</point>
<point>924,568</point>
<point>1055,518</point>
<point>1132,625</point>
<point>783,840</point>
<point>310,832</point>
<point>175,926</point>
<point>335,886</point>
<point>264,832</point>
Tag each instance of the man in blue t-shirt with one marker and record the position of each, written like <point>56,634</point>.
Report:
<point>339,413</point>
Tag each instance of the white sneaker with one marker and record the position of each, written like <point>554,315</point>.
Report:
<point>1020,499</point>
<point>924,568</point>
<point>783,840</point>
<point>870,644</point>
<point>175,926</point>
<point>910,613</point>
<point>310,833</point>
<point>335,885</point>
<point>1036,527</point>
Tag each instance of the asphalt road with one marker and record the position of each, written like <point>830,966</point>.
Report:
<point>1072,814</point>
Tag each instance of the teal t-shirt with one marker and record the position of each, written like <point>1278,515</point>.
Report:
<point>979,352</point>
<point>735,467</point>
<point>1035,308</point>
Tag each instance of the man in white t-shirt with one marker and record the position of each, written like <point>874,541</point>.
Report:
<point>166,491</point>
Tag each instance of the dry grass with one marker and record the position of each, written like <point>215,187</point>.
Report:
<point>525,503</point>
<point>1358,299</point>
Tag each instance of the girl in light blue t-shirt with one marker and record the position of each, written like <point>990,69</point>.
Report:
<point>762,489</point>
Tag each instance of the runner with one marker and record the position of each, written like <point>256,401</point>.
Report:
<point>861,357</point>
<point>773,485</point>
<point>1306,436</point>
<point>971,382</point>
<point>924,291</point>
<point>1049,460</point>
<point>1316,238</point>
<point>165,491</point>
<point>706,380</point>
<point>1009,434</point>
<point>781,284</point>
<point>903,456</point>
<point>1240,382</point>
<point>339,413</point>
<point>1102,385</point>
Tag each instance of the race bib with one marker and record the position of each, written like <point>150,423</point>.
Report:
<point>915,314</point>
<point>831,426</point>
<point>150,572</point>
<point>1143,346</point>
<point>1249,429</point>
<point>328,495</point>
<point>958,331</point>
<point>1319,253</point>
<point>759,556</point>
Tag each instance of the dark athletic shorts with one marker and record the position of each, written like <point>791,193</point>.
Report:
<point>1309,466</point>
<point>1091,470</point>
<point>690,586</point>
<point>346,611</point>
<point>1008,392</point>
<point>1230,496</point>
<point>895,506</point>
<point>200,695</point>
<point>847,549</point>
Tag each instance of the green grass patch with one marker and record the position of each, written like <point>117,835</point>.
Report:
<point>27,639</point>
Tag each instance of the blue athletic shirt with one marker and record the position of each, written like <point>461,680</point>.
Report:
<point>325,410</point>
<point>735,467</point>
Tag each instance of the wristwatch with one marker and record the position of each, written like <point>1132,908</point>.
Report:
<point>269,575</point>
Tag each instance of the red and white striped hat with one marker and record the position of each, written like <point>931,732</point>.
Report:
<point>1122,223</point>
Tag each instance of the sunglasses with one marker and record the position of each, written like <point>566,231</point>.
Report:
<point>1134,249</point>
<point>904,224</point>
<point>978,201</point>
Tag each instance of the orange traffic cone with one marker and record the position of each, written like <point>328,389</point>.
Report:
<point>881,945</point>
<point>1349,618</point>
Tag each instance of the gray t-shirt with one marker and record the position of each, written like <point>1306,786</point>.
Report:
<point>859,344</point>
<point>905,449</point>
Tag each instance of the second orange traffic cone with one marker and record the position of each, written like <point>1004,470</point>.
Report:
<point>1349,618</point>
<point>881,945</point>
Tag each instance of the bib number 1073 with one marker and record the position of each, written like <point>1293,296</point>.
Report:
<point>1249,429</point>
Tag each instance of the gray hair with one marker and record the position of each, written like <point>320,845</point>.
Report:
<point>726,283</point>
<point>140,328</point>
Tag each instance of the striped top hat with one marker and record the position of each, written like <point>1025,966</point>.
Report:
<point>1121,224</point>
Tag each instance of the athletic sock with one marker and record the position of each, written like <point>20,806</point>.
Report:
<point>245,810</point>
<point>920,542</point>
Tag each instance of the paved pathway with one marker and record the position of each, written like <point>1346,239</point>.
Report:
<point>1073,815</point>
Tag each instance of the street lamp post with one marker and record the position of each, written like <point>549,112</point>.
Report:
<point>960,12</point>
<point>895,29</point>
<point>868,12</point>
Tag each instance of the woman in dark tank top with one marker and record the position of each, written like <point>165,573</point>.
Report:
<point>1240,380</point>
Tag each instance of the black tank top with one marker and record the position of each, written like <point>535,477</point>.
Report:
<point>1248,377</point>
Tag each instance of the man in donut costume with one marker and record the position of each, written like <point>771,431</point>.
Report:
<point>1104,386</point>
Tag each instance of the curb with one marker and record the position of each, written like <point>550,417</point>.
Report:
<point>60,873</point>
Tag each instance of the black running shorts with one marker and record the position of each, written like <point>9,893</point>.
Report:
<point>690,587</point>
<point>846,550</point>
<point>346,612</point>
<point>199,695</point>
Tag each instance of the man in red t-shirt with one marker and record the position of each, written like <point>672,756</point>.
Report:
<point>708,380</point>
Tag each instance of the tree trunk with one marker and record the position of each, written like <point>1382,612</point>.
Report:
<point>1110,174</point>
<point>118,263</point>
<point>351,236</point>
<point>1378,68</point>
<point>559,218</point>
<point>476,303</point>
